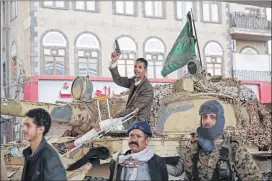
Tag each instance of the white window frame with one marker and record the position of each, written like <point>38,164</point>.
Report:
<point>154,63</point>
<point>54,57</point>
<point>213,60</point>
<point>135,8</point>
<point>153,59</point>
<point>88,51</point>
<point>163,10</point>
<point>88,57</point>
<point>128,55</point>
<point>210,3</point>
<point>128,62</point>
<point>213,64</point>
<point>183,9</point>
<point>96,10</point>
<point>66,5</point>
<point>56,48</point>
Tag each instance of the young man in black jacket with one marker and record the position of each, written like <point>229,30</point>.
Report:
<point>41,160</point>
<point>140,162</point>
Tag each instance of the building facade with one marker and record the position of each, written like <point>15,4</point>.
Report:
<point>75,38</point>
<point>251,41</point>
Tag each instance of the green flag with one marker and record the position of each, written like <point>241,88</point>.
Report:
<point>182,51</point>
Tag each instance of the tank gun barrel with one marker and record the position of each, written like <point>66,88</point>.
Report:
<point>18,108</point>
<point>79,116</point>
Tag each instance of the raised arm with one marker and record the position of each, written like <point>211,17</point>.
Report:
<point>121,81</point>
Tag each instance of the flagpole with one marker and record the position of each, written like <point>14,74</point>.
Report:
<point>193,20</point>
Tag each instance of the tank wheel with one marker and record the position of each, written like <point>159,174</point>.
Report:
<point>267,176</point>
<point>89,178</point>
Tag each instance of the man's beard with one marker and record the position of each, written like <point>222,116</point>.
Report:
<point>207,126</point>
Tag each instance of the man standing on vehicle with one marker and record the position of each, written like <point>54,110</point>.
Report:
<point>42,162</point>
<point>140,162</point>
<point>141,92</point>
<point>216,155</point>
<point>140,97</point>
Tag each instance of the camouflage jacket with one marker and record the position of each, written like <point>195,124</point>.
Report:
<point>242,160</point>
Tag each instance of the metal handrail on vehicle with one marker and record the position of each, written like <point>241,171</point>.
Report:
<point>109,128</point>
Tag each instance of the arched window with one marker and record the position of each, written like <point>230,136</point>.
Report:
<point>87,54</point>
<point>54,50</point>
<point>249,50</point>
<point>128,56</point>
<point>154,51</point>
<point>213,58</point>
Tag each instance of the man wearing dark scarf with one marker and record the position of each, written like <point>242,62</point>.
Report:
<point>140,162</point>
<point>201,160</point>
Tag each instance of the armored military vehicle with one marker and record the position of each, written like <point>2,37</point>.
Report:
<point>174,113</point>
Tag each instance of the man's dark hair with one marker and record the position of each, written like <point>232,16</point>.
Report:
<point>144,61</point>
<point>41,118</point>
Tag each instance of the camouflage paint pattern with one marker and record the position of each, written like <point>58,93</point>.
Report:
<point>242,160</point>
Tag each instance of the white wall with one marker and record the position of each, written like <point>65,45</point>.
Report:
<point>251,62</point>
<point>52,94</point>
<point>49,90</point>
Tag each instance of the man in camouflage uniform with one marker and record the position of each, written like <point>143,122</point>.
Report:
<point>178,170</point>
<point>207,159</point>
